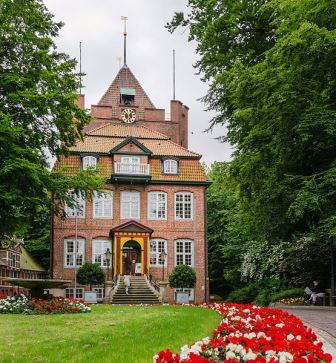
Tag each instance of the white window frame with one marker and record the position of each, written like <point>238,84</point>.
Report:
<point>104,202</point>
<point>184,204</point>
<point>191,292</point>
<point>156,202</point>
<point>156,252</point>
<point>70,292</point>
<point>130,203</point>
<point>101,291</point>
<point>78,209</point>
<point>170,166</point>
<point>98,257</point>
<point>184,252</point>
<point>80,246</point>
<point>89,162</point>
<point>129,159</point>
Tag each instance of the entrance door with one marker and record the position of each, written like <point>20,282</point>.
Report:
<point>130,258</point>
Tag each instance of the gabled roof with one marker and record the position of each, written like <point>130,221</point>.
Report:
<point>122,130</point>
<point>132,226</point>
<point>131,140</point>
<point>125,79</point>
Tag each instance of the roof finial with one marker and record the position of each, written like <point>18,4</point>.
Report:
<point>124,18</point>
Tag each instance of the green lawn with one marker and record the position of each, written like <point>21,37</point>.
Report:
<point>107,334</point>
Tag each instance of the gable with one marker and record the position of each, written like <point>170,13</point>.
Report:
<point>125,80</point>
<point>131,145</point>
<point>131,226</point>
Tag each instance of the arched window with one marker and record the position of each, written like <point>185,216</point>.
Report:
<point>89,162</point>
<point>77,209</point>
<point>99,248</point>
<point>157,246</point>
<point>74,253</point>
<point>170,166</point>
<point>102,205</point>
<point>157,205</point>
<point>184,252</point>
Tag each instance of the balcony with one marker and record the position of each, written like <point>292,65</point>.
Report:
<point>133,169</point>
<point>131,172</point>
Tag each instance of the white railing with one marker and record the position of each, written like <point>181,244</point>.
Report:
<point>134,169</point>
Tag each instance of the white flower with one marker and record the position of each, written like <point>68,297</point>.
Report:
<point>249,355</point>
<point>290,337</point>
<point>280,325</point>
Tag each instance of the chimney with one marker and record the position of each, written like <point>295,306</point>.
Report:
<point>179,114</point>
<point>80,102</point>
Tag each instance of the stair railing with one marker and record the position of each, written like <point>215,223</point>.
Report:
<point>116,280</point>
<point>153,285</point>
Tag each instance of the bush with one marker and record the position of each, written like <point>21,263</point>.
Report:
<point>90,274</point>
<point>182,276</point>
<point>285,294</point>
<point>246,294</point>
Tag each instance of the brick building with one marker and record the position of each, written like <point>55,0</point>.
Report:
<point>155,192</point>
<point>16,262</point>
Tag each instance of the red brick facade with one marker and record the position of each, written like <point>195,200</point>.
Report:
<point>152,150</point>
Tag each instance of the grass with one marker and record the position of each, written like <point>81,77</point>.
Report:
<point>107,334</point>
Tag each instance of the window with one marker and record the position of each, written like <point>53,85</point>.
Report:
<point>13,258</point>
<point>70,254</point>
<point>102,205</point>
<point>184,206</point>
<point>170,166</point>
<point>69,293</point>
<point>157,205</point>
<point>89,162</point>
<point>191,293</point>
<point>78,208</point>
<point>130,164</point>
<point>127,96</point>
<point>99,247</point>
<point>130,205</point>
<point>156,247</point>
<point>100,293</point>
<point>184,252</point>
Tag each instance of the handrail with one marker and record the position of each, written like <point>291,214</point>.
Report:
<point>131,168</point>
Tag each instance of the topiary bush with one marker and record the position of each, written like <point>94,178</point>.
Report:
<point>90,274</point>
<point>182,276</point>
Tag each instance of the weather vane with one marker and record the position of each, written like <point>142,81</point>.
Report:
<point>124,18</point>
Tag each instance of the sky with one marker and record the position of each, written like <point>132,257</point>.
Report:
<point>98,25</point>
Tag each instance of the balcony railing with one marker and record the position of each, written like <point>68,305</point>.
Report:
<point>131,169</point>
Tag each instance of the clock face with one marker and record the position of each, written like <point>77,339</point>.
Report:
<point>128,115</point>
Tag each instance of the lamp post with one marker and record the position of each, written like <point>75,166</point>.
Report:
<point>163,256</point>
<point>108,255</point>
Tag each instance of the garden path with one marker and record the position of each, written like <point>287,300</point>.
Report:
<point>322,321</point>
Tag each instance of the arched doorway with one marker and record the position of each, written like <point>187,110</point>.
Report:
<point>131,256</point>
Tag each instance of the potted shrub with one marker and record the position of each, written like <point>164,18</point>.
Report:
<point>90,274</point>
<point>182,277</point>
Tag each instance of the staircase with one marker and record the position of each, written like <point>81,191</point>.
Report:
<point>138,293</point>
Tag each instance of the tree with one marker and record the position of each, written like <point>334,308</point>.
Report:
<point>182,276</point>
<point>273,86</point>
<point>227,231</point>
<point>39,118</point>
<point>90,274</point>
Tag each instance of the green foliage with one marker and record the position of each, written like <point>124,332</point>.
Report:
<point>285,294</point>
<point>182,276</point>
<point>270,68</point>
<point>90,274</point>
<point>38,115</point>
<point>244,295</point>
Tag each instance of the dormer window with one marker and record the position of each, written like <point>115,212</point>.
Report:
<point>170,166</point>
<point>127,96</point>
<point>89,162</point>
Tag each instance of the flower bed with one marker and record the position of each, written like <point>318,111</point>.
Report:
<point>55,305</point>
<point>252,334</point>
<point>291,300</point>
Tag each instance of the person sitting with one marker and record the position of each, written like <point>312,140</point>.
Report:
<point>127,283</point>
<point>315,292</point>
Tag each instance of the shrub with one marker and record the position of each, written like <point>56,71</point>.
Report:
<point>182,276</point>
<point>285,294</point>
<point>90,274</point>
<point>244,295</point>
